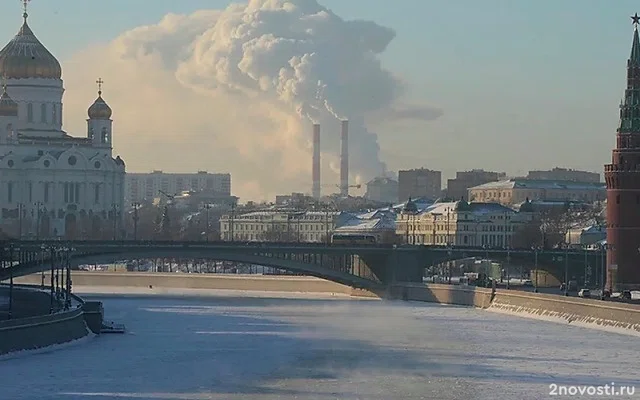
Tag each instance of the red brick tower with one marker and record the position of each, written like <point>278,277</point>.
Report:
<point>623,184</point>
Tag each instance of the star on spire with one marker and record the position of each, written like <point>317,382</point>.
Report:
<point>635,20</point>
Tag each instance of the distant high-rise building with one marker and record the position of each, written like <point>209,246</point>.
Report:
<point>622,177</point>
<point>457,188</point>
<point>147,186</point>
<point>383,190</point>
<point>564,174</point>
<point>419,183</point>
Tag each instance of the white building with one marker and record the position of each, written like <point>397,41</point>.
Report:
<point>52,184</point>
<point>279,226</point>
<point>147,186</point>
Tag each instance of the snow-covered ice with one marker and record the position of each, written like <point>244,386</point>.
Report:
<point>258,346</point>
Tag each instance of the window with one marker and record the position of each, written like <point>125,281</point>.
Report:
<point>30,191</point>
<point>66,192</point>
<point>43,113</point>
<point>10,192</point>
<point>29,112</point>
<point>105,136</point>
<point>618,199</point>
<point>76,198</point>
<point>46,192</point>
<point>96,193</point>
<point>91,134</point>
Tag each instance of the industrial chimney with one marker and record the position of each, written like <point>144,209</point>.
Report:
<point>315,167</point>
<point>344,159</point>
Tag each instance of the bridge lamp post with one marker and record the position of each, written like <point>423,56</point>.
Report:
<point>535,263</point>
<point>207,227</point>
<point>11,250</point>
<point>52,254</point>
<point>114,207</point>
<point>38,205</point>
<point>566,269</point>
<point>508,263</point>
<point>136,206</point>
<point>42,250</point>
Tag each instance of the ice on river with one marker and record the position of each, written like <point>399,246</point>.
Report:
<point>259,346</point>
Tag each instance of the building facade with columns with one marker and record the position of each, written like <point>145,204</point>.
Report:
<point>461,223</point>
<point>279,226</point>
<point>52,184</point>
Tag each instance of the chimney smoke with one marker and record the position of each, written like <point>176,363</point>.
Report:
<point>344,159</point>
<point>315,166</point>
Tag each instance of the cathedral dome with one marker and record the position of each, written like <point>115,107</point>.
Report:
<point>25,57</point>
<point>99,109</point>
<point>8,107</point>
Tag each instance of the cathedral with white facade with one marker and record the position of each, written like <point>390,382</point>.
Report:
<point>53,185</point>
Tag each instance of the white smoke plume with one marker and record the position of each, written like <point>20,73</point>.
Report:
<point>237,90</point>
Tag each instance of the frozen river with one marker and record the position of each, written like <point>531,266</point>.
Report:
<point>244,346</point>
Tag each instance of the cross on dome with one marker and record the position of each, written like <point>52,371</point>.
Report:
<point>99,82</point>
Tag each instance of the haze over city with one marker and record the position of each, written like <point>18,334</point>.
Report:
<point>444,85</point>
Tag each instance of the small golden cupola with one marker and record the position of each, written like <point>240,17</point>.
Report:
<point>99,109</point>
<point>8,107</point>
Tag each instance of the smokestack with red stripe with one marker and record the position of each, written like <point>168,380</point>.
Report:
<point>344,159</point>
<point>315,167</point>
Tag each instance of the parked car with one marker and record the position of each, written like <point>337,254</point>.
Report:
<point>586,293</point>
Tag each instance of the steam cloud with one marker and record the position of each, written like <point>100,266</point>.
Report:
<point>237,90</point>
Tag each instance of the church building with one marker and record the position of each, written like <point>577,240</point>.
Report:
<point>52,184</point>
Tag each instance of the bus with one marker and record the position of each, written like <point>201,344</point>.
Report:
<point>337,238</point>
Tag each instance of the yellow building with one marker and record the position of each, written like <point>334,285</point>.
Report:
<point>514,191</point>
<point>279,226</point>
<point>461,224</point>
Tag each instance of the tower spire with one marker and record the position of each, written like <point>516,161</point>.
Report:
<point>635,47</point>
<point>25,6</point>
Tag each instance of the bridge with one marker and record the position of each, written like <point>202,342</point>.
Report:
<point>361,266</point>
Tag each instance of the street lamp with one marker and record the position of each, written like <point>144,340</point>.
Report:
<point>38,205</point>
<point>535,258</point>
<point>508,262</point>
<point>566,269</point>
<point>114,207</point>
<point>136,206</point>
<point>207,207</point>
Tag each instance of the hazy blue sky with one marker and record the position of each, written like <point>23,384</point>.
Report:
<point>542,78</point>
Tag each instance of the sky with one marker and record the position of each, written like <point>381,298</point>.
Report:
<point>450,85</point>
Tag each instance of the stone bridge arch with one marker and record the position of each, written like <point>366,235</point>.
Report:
<point>549,261</point>
<point>311,269</point>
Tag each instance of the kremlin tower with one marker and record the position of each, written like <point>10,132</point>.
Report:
<point>622,177</point>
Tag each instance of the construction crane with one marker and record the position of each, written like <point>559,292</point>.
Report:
<point>358,186</point>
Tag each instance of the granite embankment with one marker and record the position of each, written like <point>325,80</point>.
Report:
<point>33,326</point>
<point>594,313</point>
<point>266,283</point>
<point>578,311</point>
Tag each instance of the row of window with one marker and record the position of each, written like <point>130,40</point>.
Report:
<point>457,240</point>
<point>54,116</point>
<point>269,227</point>
<point>71,192</point>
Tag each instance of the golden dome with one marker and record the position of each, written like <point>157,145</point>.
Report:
<point>25,57</point>
<point>8,107</point>
<point>99,109</point>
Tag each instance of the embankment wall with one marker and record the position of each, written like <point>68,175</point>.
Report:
<point>27,332</point>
